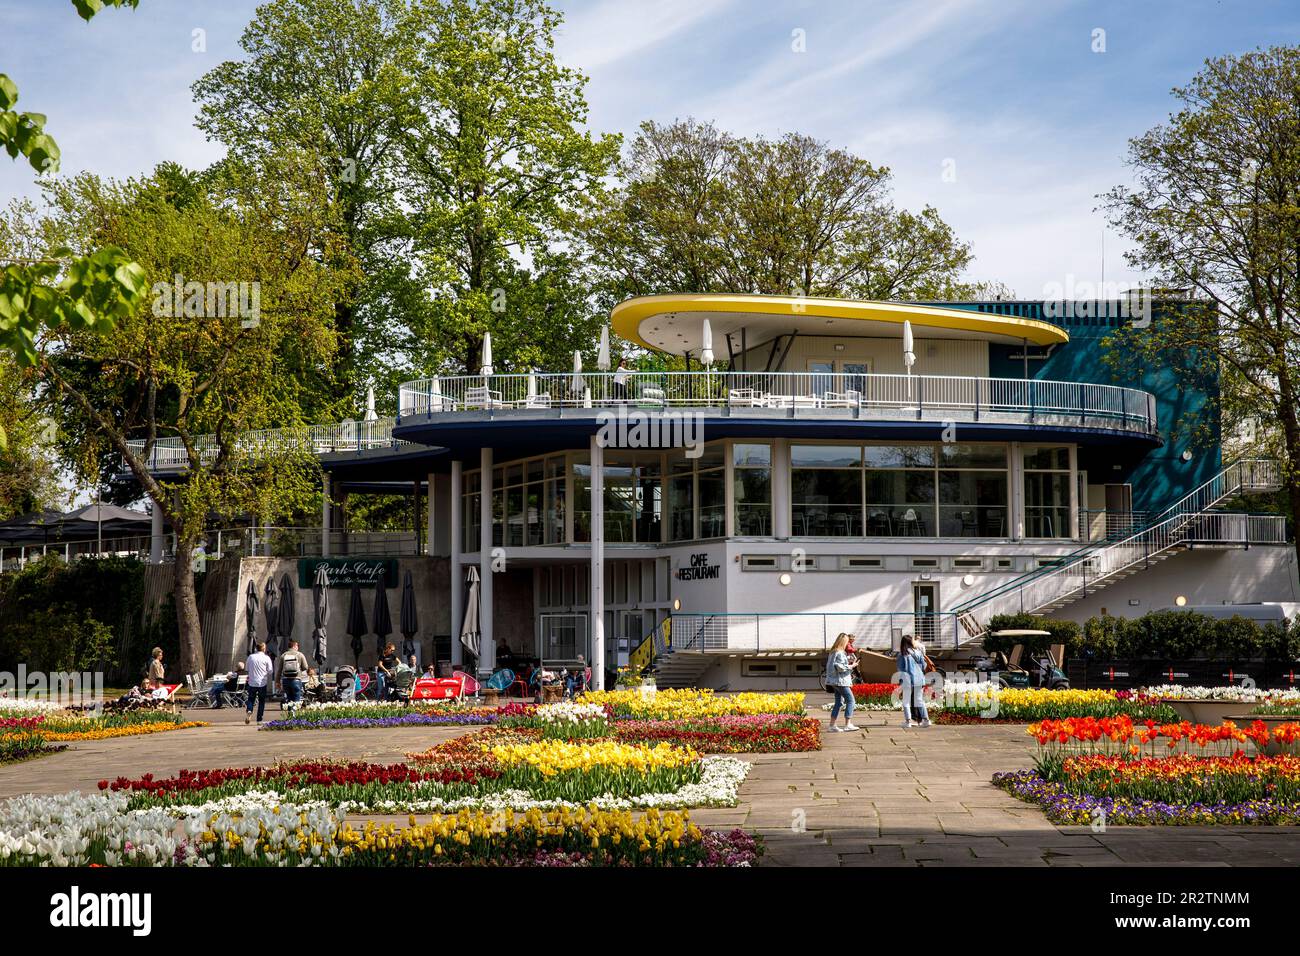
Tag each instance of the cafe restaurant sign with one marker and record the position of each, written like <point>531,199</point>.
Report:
<point>344,572</point>
<point>699,569</point>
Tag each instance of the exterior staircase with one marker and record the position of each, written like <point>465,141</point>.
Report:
<point>1088,570</point>
<point>681,667</point>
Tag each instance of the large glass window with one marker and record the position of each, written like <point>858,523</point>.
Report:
<point>633,497</point>
<point>751,483</point>
<point>711,485</point>
<point>826,490</point>
<point>681,497</point>
<point>1047,492</point>
<point>470,497</point>
<point>950,490</point>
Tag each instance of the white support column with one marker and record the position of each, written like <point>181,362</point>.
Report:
<point>596,613</point>
<point>457,593</point>
<point>1075,504</point>
<point>430,498</point>
<point>781,488</point>
<point>487,658</point>
<point>325,515</point>
<point>155,534</point>
<point>1016,519</point>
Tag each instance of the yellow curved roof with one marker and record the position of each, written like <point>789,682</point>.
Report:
<point>672,323</point>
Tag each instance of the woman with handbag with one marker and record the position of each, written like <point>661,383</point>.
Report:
<point>839,681</point>
<point>913,664</point>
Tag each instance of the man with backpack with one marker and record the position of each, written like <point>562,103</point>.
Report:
<point>290,668</point>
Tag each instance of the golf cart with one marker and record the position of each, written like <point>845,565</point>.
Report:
<point>1044,670</point>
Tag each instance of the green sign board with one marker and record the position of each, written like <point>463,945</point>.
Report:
<point>344,572</point>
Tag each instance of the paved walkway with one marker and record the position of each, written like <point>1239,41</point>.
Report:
<point>883,796</point>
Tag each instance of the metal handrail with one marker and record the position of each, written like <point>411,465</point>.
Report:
<point>170,453</point>
<point>900,396</point>
<point>1090,565</point>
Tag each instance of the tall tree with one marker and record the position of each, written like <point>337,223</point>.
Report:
<point>491,167</point>
<point>206,359</point>
<point>319,82</point>
<point>1214,211</point>
<point>698,209</point>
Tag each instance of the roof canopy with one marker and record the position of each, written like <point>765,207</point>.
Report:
<point>673,323</point>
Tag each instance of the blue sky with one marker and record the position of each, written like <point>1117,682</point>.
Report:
<point>1009,94</point>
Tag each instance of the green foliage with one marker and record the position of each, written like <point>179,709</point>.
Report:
<point>701,210</point>
<point>60,617</point>
<point>1061,632</point>
<point>1214,211</point>
<point>1185,635</point>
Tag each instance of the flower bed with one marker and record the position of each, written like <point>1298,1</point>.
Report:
<point>1064,807</point>
<point>972,703</point>
<point>565,720</point>
<point>673,703</point>
<point>57,726</point>
<point>875,696</point>
<point>1233,692</point>
<point>365,714</point>
<point>728,734</point>
<point>498,768</point>
<point>1114,770</point>
<point>100,829</point>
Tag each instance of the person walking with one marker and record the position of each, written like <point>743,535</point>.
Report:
<point>912,665</point>
<point>290,668</point>
<point>259,669</point>
<point>839,681</point>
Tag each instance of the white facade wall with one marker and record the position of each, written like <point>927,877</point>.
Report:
<point>884,355</point>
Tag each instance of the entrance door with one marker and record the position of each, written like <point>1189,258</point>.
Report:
<point>632,628</point>
<point>925,604</point>
<point>821,377</point>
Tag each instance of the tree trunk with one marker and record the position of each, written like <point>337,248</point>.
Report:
<point>1291,443</point>
<point>187,607</point>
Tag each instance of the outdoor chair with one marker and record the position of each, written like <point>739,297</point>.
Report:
<point>652,395</point>
<point>745,398</point>
<point>536,401</point>
<point>199,696</point>
<point>480,397</point>
<point>239,696</point>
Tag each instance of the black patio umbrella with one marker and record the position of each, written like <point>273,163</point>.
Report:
<point>356,621</point>
<point>409,619</point>
<point>383,620</point>
<point>251,604</point>
<point>320,594</point>
<point>271,610</point>
<point>284,620</point>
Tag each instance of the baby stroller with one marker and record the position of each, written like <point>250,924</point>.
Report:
<point>345,684</point>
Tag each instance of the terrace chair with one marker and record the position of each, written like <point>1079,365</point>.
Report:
<point>652,395</point>
<point>536,401</point>
<point>482,397</point>
<point>745,398</point>
<point>199,696</point>
<point>836,400</point>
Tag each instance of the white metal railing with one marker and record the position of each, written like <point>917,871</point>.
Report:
<point>892,396</point>
<point>1187,520</point>
<point>170,454</point>
<point>1223,527</point>
<point>807,631</point>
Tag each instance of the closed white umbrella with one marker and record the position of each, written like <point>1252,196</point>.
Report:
<point>602,355</point>
<point>577,382</point>
<point>371,414</point>
<point>909,351</point>
<point>435,395</point>
<point>706,344</point>
<point>532,383</point>
<point>487,353</point>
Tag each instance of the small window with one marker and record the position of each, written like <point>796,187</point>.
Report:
<point>760,668</point>
<point>1006,564</point>
<point>753,562</point>
<point>806,563</point>
<point>803,669</point>
<point>968,564</point>
<point>863,564</point>
<point>925,562</point>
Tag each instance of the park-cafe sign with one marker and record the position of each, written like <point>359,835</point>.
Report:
<point>345,572</point>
